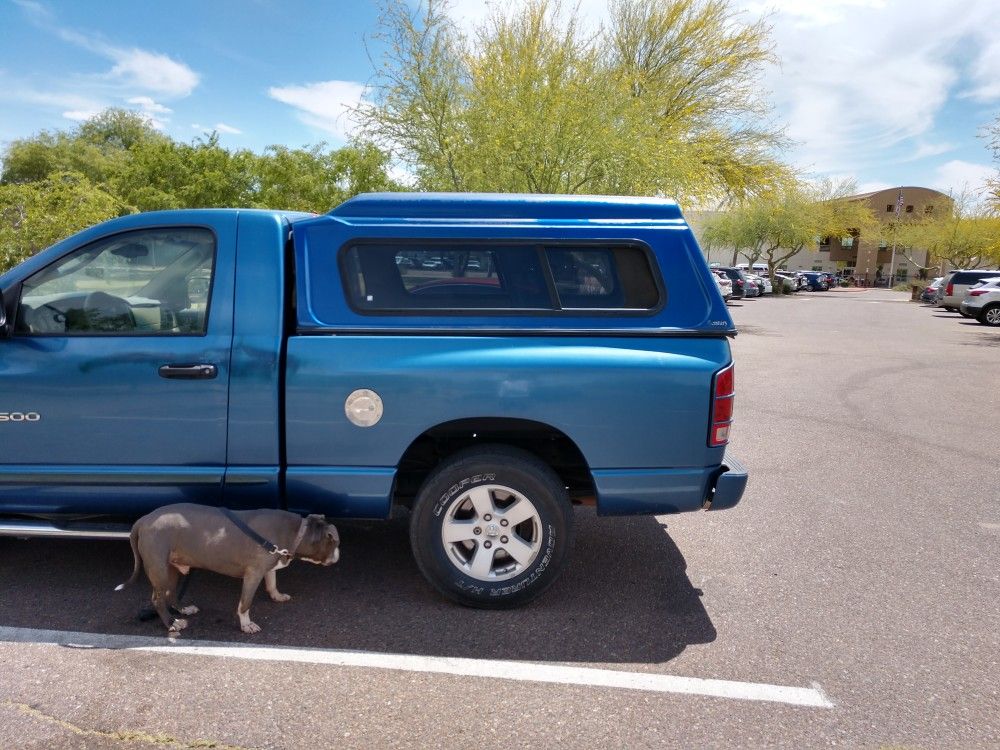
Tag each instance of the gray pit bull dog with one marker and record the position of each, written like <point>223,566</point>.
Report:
<point>175,538</point>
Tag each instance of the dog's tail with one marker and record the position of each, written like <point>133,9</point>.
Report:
<point>138,560</point>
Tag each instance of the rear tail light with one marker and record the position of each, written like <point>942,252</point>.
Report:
<point>949,290</point>
<point>977,292</point>
<point>723,392</point>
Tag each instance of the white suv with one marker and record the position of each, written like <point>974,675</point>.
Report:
<point>957,283</point>
<point>982,302</point>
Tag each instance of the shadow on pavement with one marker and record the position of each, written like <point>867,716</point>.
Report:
<point>625,597</point>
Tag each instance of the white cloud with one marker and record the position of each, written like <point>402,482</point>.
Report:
<point>152,110</point>
<point>149,106</point>
<point>925,150</point>
<point>873,186</point>
<point>986,82</point>
<point>151,71</point>
<point>223,128</point>
<point>220,127</point>
<point>812,12</point>
<point>74,107</point>
<point>861,79</point>
<point>957,175</point>
<point>134,68</point>
<point>324,105</point>
<point>79,115</point>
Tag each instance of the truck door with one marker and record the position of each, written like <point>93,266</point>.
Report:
<point>114,385</point>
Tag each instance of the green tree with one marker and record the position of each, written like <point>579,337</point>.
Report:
<point>966,237</point>
<point>663,101</point>
<point>736,230</point>
<point>992,135</point>
<point>55,183</point>
<point>163,174</point>
<point>97,148</point>
<point>316,179</point>
<point>37,214</point>
<point>780,224</point>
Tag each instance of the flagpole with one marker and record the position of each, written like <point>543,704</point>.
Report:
<point>892,264</point>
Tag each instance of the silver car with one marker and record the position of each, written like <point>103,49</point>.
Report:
<point>957,283</point>
<point>982,302</point>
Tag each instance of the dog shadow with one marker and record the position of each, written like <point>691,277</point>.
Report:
<point>624,597</point>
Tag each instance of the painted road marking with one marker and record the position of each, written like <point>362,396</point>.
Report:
<point>506,670</point>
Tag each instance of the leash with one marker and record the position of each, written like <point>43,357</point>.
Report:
<point>271,547</point>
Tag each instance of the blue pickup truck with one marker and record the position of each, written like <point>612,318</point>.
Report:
<point>484,361</point>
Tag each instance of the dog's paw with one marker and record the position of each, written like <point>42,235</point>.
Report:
<point>178,625</point>
<point>189,610</point>
<point>250,627</point>
<point>280,597</point>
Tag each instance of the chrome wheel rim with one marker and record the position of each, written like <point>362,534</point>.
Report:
<point>993,316</point>
<point>491,533</point>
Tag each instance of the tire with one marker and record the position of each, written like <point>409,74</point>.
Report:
<point>455,501</point>
<point>990,315</point>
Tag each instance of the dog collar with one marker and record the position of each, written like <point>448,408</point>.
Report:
<point>298,538</point>
<point>268,545</point>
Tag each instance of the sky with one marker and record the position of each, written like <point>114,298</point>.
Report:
<point>884,92</point>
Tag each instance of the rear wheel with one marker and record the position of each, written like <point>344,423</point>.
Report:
<point>990,316</point>
<point>491,527</point>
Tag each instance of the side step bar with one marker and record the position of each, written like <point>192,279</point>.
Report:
<point>45,529</point>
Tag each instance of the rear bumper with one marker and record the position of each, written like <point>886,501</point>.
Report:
<point>627,492</point>
<point>729,485</point>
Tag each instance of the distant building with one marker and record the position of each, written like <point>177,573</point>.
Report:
<point>865,260</point>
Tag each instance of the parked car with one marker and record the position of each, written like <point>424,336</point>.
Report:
<point>982,302</point>
<point>830,279</point>
<point>815,281</point>
<point>751,287</point>
<point>957,283</point>
<point>762,282</point>
<point>724,283</point>
<point>326,377</point>
<point>760,269</point>
<point>930,291</point>
<point>789,283</point>
<point>739,280</point>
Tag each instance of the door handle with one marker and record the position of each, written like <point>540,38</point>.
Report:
<point>189,372</point>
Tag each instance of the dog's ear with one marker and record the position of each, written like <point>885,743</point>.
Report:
<point>331,531</point>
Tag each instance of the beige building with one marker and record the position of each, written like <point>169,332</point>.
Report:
<point>865,260</point>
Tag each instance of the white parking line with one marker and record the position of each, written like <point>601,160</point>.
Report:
<point>507,670</point>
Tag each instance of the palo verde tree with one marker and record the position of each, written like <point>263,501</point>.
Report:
<point>776,226</point>
<point>663,101</point>
<point>992,135</point>
<point>966,237</point>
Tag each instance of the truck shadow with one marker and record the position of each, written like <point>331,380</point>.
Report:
<point>624,598</point>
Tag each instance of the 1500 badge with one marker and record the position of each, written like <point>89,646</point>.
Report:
<point>20,416</point>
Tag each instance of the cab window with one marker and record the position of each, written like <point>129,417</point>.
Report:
<point>146,282</point>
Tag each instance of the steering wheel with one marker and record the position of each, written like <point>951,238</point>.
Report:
<point>105,312</point>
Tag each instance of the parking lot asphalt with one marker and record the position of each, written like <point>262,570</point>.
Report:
<point>861,565</point>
